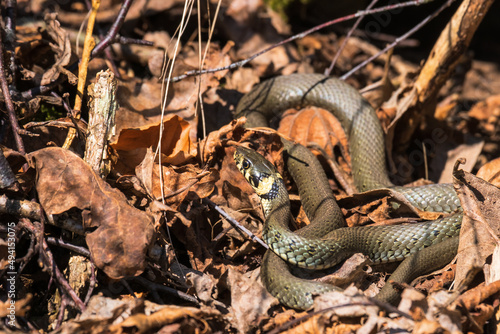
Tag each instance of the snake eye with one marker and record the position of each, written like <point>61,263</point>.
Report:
<point>246,164</point>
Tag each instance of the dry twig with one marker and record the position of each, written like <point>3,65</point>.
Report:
<point>82,72</point>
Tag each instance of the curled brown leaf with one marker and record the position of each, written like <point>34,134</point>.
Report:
<point>118,235</point>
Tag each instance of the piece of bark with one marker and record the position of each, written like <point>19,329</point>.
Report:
<point>101,122</point>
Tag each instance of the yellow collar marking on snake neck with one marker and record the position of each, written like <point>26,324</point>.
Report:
<point>266,185</point>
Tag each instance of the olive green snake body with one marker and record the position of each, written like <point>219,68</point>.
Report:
<point>325,242</point>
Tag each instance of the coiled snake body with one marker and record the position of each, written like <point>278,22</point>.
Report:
<point>324,243</point>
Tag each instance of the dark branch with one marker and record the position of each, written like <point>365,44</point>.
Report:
<point>8,102</point>
<point>113,31</point>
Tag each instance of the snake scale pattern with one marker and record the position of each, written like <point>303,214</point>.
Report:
<point>423,247</point>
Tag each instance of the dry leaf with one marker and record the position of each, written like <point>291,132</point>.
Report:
<point>314,125</point>
<point>118,234</point>
<point>204,285</point>
<point>214,140</point>
<point>144,323</point>
<point>20,306</point>
<point>346,298</point>
<point>470,149</point>
<point>380,91</point>
<point>242,80</point>
<point>445,107</point>
<point>105,315</point>
<point>140,101</point>
<point>480,225</point>
<point>196,246</point>
<point>430,314</point>
<point>177,181</point>
<point>487,112</point>
<point>249,299</point>
<point>491,172</point>
<point>175,146</point>
<point>53,133</point>
<point>61,49</point>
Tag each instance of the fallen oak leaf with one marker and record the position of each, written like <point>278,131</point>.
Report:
<point>118,235</point>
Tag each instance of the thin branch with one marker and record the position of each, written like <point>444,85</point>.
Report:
<point>399,39</point>
<point>299,36</point>
<point>107,52</point>
<point>158,287</point>
<point>88,45</point>
<point>19,208</point>
<point>344,43</point>
<point>189,185</point>
<point>49,263</point>
<point>23,262</point>
<point>92,283</point>
<point>235,223</point>
<point>62,309</point>
<point>74,248</point>
<point>31,210</point>
<point>65,105</point>
<point>61,279</point>
<point>8,101</point>
<point>128,40</point>
<point>113,31</point>
<point>41,90</point>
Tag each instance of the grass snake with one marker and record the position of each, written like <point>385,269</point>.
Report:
<point>424,247</point>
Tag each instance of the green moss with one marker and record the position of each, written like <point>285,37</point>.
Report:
<point>48,112</point>
<point>281,6</point>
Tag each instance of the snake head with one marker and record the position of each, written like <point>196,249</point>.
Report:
<point>260,173</point>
